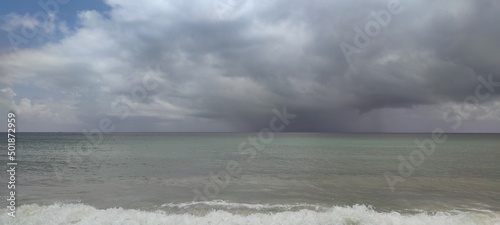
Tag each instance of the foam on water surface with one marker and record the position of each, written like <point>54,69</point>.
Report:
<point>358,214</point>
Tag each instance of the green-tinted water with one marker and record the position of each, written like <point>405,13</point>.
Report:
<point>155,170</point>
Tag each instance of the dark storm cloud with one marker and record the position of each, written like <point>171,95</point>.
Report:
<point>227,70</point>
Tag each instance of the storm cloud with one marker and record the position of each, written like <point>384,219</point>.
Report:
<point>224,65</point>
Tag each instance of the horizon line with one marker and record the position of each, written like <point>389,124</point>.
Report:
<point>312,132</point>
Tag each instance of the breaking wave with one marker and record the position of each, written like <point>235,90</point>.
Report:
<point>221,212</point>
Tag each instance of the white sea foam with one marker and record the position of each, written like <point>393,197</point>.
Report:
<point>234,205</point>
<point>83,214</point>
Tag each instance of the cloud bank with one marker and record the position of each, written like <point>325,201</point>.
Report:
<point>224,65</point>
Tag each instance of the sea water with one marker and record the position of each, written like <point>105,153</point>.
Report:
<point>222,178</point>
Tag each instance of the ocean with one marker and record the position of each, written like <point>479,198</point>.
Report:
<point>244,178</point>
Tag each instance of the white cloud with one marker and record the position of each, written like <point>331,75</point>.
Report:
<point>250,58</point>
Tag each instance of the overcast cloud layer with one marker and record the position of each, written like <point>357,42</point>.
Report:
<point>217,66</point>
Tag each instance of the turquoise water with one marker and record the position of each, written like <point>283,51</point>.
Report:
<point>199,178</point>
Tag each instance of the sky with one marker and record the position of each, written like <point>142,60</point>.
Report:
<point>224,65</point>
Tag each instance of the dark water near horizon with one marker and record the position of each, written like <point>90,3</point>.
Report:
<point>222,178</point>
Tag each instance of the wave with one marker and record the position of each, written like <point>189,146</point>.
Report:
<point>234,205</point>
<point>80,214</point>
